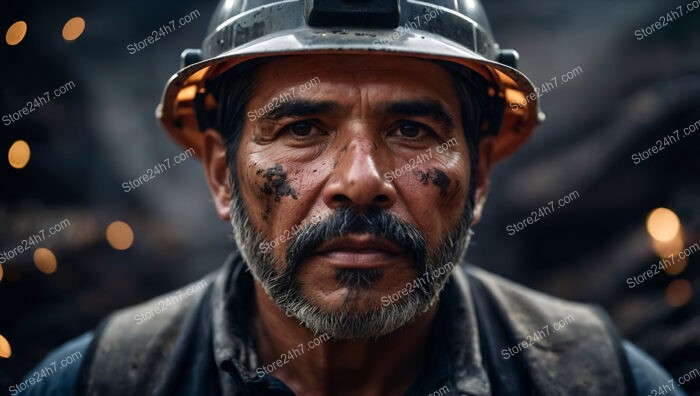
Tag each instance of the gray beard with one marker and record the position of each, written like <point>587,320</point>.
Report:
<point>347,322</point>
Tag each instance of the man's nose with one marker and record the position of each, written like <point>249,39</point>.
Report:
<point>357,178</point>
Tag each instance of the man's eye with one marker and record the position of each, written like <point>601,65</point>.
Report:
<point>410,129</point>
<point>302,132</point>
<point>300,128</point>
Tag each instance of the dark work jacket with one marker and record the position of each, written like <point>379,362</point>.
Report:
<point>490,336</point>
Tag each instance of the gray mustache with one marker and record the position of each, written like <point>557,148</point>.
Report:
<point>347,220</point>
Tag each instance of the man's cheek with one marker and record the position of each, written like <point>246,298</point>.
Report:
<point>274,182</point>
<point>448,186</point>
<point>270,186</point>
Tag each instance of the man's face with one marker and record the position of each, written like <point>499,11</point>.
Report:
<point>352,181</point>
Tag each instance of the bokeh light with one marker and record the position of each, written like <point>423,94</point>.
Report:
<point>119,235</point>
<point>5,349</point>
<point>678,293</point>
<point>664,250</point>
<point>662,224</point>
<point>15,33</point>
<point>19,154</point>
<point>73,28</point>
<point>677,267</point>
<point>1,272</point>
<point>45,260</point>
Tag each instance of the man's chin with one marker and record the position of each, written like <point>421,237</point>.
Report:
<point>358,314</point>
<point>349,301</point>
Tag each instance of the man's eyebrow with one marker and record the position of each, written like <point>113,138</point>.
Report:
<point>423,108</point>
<point>298,108</point>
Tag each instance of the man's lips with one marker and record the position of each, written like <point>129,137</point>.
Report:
<point>359,251</point>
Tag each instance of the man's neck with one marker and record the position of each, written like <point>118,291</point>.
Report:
<point>317,365</point>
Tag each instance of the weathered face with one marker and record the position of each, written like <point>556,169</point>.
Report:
<point>352,182</point>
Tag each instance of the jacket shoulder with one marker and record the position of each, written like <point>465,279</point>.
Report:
<point>534,309</point>
<point>137,338</point>
<point>568,347</point>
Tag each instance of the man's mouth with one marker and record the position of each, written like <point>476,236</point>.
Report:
<point>360,252</point>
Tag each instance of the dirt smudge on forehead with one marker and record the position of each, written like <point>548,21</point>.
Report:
<point>276,182</point>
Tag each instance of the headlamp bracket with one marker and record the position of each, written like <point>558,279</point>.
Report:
<point>363,13</point>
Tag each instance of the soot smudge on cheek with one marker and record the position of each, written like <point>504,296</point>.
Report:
<point>276,182</point>
<point>438,177</point>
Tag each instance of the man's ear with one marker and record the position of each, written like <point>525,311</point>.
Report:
<point>486,148</point>
<point>217,172</point>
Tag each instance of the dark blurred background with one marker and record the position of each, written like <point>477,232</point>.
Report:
<point>100,133</point>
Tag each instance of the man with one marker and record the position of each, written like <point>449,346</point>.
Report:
<point>350,144</point>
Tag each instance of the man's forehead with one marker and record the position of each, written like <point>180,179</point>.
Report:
<point>342,79</point>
